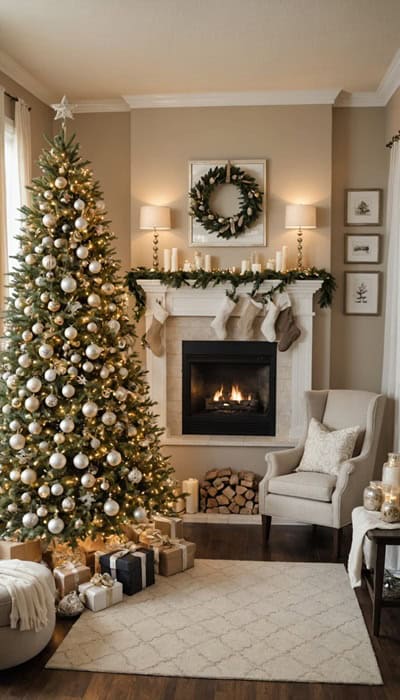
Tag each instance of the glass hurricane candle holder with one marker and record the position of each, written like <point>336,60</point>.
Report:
<point>390,511</point>
<point>373,496</point>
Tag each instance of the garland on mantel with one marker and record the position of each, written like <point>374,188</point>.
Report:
<point>202,279</point>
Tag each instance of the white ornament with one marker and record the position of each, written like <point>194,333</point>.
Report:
<point>60,183</point>
<point>27,336</point>
<point>121,393</point>
<point>114,326</point>
<point>55,526</point>
<point>140,514</point>
<point>15,474</point>
<point>94,267</point>
<point>94,300</point>
<point>123,372</point>
<point>107,288</point>
<point>92,327</point>
<point>68,391</point>
<point>15,425</point>
<point>135,476</point>
<point>50,375</point>
<point>26,498</point>
<point>47,241</point>
<point>68,504</point>
<point>100,206</point>
<point>95,443</point>
<point>35,427</point>
<point>46,351</point>
<point>32,404</point>
<point>67,425</point>
<point>57,489</point>
<point>12,381</point>
<point>114,458</point>
<point>72,371</point>
<point>70,333</point>
<point>57,460</point>
<point>88,480</point>
<point>43,446</point>
<point>42,511</point>
<point>38,328</point>
<point>111,507</point>
<point>60,242</point>
<point>112,307</point>
<point>81,461</point>
<point>17,441</point>
<point>82,252</point>
<point>59,320</point>
<point>30,259</point>
<point>109,418</point>
<point>88,367</point>
<point>44,491</point>
<point>47,194</point>
<point>132,431</point>
<point>89,409</point>
<point>49,262</point>
<point>12,508</point>
<point>30,520</point>
<point>68,285</point>
<point>78,523</point>
<point>59,438</point>
<point>49,220</point>
<point>79,205</point>
<point>34,384</point>
<point>81,223</point>
<point>51,400</point>
<point>28,476</point>
<point>104,373</point>
<point>93,351</point>
<point>28,310</point>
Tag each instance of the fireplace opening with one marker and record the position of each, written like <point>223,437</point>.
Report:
<point>229,387</point>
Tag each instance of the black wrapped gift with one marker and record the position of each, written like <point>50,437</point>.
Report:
<point>134,569</point>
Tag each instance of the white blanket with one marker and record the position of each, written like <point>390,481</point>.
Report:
<point>363,520</point>
<point>30,586</point>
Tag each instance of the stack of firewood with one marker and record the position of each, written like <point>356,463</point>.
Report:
<point>226,491</point>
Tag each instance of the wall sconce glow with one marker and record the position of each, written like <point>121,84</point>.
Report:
<point>300,216</point>
<point>155,219</point>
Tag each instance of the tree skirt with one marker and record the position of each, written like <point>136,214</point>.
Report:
<point>249,620</point>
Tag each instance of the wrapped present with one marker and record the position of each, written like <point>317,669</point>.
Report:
<point>100,592</point>
<point>63,553</point>
<point>110,546</point>
<point>173,527</point>
<point>170,556</point>
<point>133,568</point>
<point>69,575</point>
<point>134,530</point>
<point>27,551</point>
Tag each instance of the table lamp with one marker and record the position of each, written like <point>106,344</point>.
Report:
<point>300,216</point>
<point>156,219</point>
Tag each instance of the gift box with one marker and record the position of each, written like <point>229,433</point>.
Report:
<point>97,596</point>
<point>132,531</point>
<point>63,553</point>
<point>134,569</point>
<point>173,527</point>
<point>170,557</point>
<point>27,551</point>
<point>68,576</point>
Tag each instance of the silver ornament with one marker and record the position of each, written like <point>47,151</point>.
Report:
<point>49,220</point>
<point>70,333</point>
<point>104,373</point>
<point>49,262</point>
<point>68,285</point>
<point>78,523</point>
<point>15,425</point>
<point>17,441</point>
<point>43,446</point>
<point>114,458</point>
<point>109,418</point>
<point>41,511</point>
<point>57,460</point>
<point>55,526</point>
<point>58,320</point>
<point>123,372</point>
<point>53,305</point>
<point>105,485</point>
<point>30,520</point>
<point>82,252</point>
<point>88,480</point>
<point>15,474</point>
<point>34,384</point>
<point>89,409</point>
<point>114,326</point>
<point>61,242</point>
<point>111,507</point>
<point>27,336</point>
<point>135,476</point>
<point>81,461</point>
<point>50,375</point>
<point>59,438</point>
<point>79,205</point>
<point>68,504</point>
<point>94,267</point>
<point>80,223</point>
<point>60,183</point>
<point>57,489</point>
<point>46,351</point>
<point>73,372</point>
<point>30,259</point>
<point>26,498</point>
<point>68,391</point>
<point>44,297</point>
<point>93,351</point>
<point>44,491</point>
<point>107,288</point>
<point>32,404</point>
<point>35,427</point>
<point>37,328</point>
<point>140,514</point>
<point>95,443</point>
<point>92,327</point>
<point>28,476</point>
<point>51,400</point>
<point>100,206</point>
<point>94,300</point>
<point>67,425</point>
<point>47,194</point>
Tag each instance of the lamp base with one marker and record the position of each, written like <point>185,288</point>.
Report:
<point>155,250</point>
<point>300,249</point>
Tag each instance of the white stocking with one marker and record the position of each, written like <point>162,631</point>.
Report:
<point>251,309</point>
<point>153,335</point>
<point>280,302</point>
<point>220,321</point>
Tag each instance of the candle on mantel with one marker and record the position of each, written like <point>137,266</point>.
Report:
<point>245,266</point>
<point>278,261</point>
<point>256,267</point>
<point>191,487</point>
<point>174,259</point>
<point>198,260</point>
<point>270,264</point>
<point>207,263</point>
<point>284,258</point>
<point>167,260</point>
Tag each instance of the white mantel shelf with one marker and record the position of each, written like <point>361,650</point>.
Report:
<point>194,302</point>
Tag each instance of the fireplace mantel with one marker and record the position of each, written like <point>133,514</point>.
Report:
<point>193,302</point>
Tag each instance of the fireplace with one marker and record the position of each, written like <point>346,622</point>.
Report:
<point>229,387</point>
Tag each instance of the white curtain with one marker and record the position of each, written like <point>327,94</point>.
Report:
<point>391,352</point>
<point>3,212</point>
<point>23,135</point>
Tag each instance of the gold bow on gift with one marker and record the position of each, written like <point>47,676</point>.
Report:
<point>102,580</point>
<point>156,538</point>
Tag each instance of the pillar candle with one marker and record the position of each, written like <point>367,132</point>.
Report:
<point>271,264</point>
<point>167,260</point>
<point>174,259</point>
<point>191,487</point>
<point>245,266</point>
<point>256,267</point>
<point>391,475</point>
<point>207,263</point>
<point>278,261</point>
<point>284,258</point>
<point>187,266</point>
<point>198,260</point>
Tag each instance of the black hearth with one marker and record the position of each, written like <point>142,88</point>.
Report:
<point>229,387</point>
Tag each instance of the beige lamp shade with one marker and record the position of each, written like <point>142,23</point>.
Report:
<point>152,217</point>
<point>301,216</point>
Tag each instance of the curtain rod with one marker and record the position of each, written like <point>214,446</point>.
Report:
<point>393,140</point>
<point>13,98</point>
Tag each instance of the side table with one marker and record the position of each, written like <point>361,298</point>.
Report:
<point>374,579</point>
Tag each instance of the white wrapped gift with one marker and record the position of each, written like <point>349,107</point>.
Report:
<point>98,596</point>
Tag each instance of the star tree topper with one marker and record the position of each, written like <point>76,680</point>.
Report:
<point>64,110</point>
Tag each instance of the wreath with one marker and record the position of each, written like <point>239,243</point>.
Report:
<point>250,201</point>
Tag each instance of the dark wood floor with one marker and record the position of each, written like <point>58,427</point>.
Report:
<point>31,681</point>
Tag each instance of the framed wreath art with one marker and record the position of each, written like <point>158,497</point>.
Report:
<point>218,213</point>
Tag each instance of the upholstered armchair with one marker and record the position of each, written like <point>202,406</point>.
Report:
<point>320,498</point>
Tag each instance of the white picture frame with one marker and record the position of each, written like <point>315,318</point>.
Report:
<point>255,236</point>
<point>363,207</point>
<point>362,248</point>
<point>361,293</point>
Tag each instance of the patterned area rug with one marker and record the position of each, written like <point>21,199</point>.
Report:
<point>269,621</point>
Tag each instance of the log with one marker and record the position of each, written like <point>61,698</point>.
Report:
<point>234,479</point>
<point>228,492</point>
<point>212,491</point>
<point>234,508</point>
<point>248,484</point>
<point>240,500</point>
<point>222,500</point>
<point>211,503</point>
<point>249,495</point>
<point>223,509</point>
<point>255,509</point>
<point>212,510</point>
<point>205,484</point>
<point>212,474</point>
<point>225,472</point>
<point>241,489</point>
<point>249,505</point>
<point>246,475</point>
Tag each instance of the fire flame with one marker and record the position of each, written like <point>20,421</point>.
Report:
<point>235,394</point>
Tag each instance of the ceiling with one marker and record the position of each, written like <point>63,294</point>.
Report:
<point>104,49</point>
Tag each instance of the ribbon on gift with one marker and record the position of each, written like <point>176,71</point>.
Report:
<point>64,570</point>
<point>183,547</point>
<point>102,580</point>
<point>97,581</point>
<point>143,558</point>
<point>113,561</point>
<point>172,521</point>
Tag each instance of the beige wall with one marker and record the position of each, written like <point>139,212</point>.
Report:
<point>41,115</point>
<point>295,141</point>
<point>105,141</point>
<point>359,160</point>
<point>393,115</point>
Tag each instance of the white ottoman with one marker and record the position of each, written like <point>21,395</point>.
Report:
<point>16,646</point>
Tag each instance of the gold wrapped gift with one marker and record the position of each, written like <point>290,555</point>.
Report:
<point>171,556</point>
<point>27,551</point>
<point>68,576</point>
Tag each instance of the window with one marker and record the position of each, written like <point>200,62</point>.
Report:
<point>12,192</point>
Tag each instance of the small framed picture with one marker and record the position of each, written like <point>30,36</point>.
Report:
<point>362,248</point>
<point>363,208</point>
<point>361,293</point>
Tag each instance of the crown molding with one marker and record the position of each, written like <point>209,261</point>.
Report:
<point>21,76</point>
<point>391,80</point>
<point>359,99</point>
<point>232,99</point>
<point>108,105</point>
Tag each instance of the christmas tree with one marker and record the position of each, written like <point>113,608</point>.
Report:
<point>80,446</point>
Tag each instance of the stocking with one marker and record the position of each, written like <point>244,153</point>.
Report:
<point>287,329</point>
<point>153,335</point>
<point>223,313</point>
<point>251,309</point>
<point>281,301</point>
